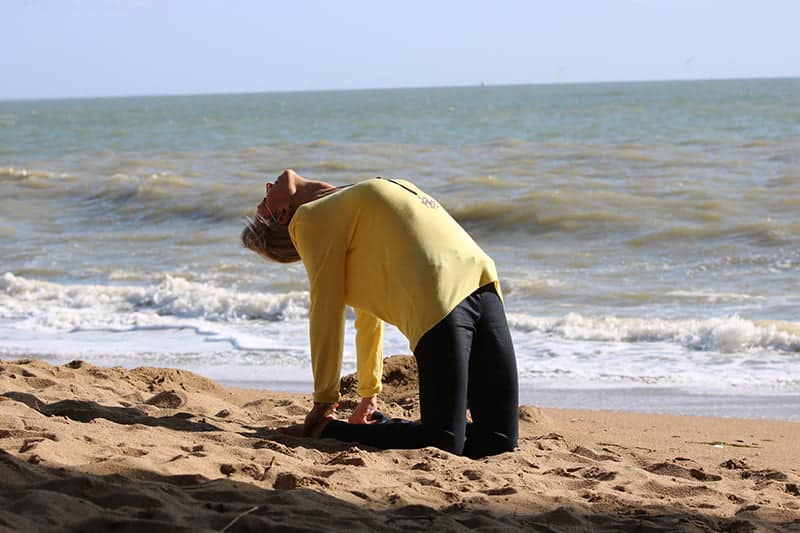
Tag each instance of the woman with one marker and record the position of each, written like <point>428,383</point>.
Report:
<point>392,253</point>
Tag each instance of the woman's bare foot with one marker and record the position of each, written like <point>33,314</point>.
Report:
<point>299,430</point>
<point>295,430</point>
<point>315,421</point>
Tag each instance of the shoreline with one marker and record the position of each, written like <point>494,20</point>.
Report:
<point>94,448</point>
<point>669,402</point>
<point>635,399</point>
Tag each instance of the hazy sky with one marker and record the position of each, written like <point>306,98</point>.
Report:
<point>57,48</point>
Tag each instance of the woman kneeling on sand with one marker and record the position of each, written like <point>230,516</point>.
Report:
<point>393,254</point>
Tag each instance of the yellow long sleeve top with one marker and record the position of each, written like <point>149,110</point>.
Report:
<point>393,254</point>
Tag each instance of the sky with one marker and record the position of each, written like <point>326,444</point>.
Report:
<point>88,48</point>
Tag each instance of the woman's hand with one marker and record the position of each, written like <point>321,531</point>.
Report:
<point>363,413</point>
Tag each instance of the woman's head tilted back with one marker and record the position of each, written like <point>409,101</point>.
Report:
<point>269,240</point>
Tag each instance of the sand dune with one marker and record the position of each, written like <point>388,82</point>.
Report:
<point>85,448</point>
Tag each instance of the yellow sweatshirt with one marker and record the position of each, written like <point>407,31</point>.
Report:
<point>393,254</point>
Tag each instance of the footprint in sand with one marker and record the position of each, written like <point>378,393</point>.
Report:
<point>29,444</point>
<point>168,399</point>
<point>473,475</point>
<point>39,383</point>
<point>598,474</point>
<point>348,458</point>
<point>426,482</point>
<point>133,452</point>
<point>549,442</point>
<point>276,447</point>
<point>734,464</point>
<point>675,490</point>
<point>27,435</point>
<point>764,475</point>
<point>101,493</point>
<point>562,472</point>
<point>757,475</point>
<point>290,481</point>
<point>673,470</point>
<point>196,450</point>
<point>424,466</point>
<point>591,454</point>
<point>501,491</point>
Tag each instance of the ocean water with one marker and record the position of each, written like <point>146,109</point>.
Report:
<point>647,234</point>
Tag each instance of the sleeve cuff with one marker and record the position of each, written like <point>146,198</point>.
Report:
<point>326,397</point>
<point>369,392</point>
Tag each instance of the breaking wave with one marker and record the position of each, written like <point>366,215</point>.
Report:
<point>66,307</point>
<point>727,335</point>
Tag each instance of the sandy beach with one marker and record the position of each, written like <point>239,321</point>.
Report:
<point>87,448</point>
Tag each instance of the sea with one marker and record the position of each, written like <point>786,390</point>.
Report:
<point>647,235</point>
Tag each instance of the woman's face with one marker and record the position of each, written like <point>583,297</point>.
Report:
<point>276,204</point>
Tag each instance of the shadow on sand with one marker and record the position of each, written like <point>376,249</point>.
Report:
<point>34,497</point>
<point>86,411</point>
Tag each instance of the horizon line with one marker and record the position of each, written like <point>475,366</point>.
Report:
<point>393,88</point>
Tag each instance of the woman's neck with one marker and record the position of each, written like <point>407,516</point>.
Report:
<point>308,191</point>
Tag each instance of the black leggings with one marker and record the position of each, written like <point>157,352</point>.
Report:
<point>465,361</point>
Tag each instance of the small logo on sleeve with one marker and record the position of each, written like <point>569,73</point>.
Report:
<point>427,201</point>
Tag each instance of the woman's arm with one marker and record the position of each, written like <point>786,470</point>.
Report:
<point>323,254</point>
<point>369,359</point>
<point>369,353</point>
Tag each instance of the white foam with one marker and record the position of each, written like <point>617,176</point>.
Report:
<point>174,302</point>
<point>711,296</point>
<point>18,173</point>
<point>727,335</point>
<point>193,325</point>
<point>62,307</point>
<point>529,284</point>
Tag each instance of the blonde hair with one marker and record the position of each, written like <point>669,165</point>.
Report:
<point>269,240</point>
